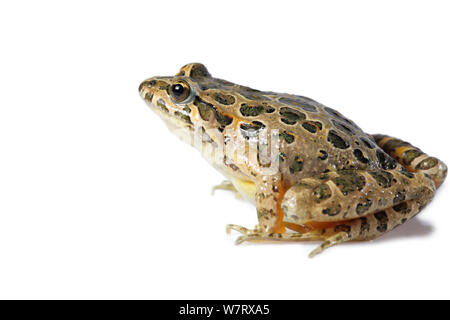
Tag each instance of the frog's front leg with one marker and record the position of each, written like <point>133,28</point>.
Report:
<point>268,196</point>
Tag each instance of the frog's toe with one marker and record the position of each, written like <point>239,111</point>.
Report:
<point>226,185</point>
<point>329,242</point>
<point>249,237</point>
<point>238,228</point>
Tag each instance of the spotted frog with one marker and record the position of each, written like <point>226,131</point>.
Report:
<point>312,173</point>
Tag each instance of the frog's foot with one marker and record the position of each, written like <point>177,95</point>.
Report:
<point>239,229</point>
<point>226,185</point>
<point>330,241</point>
<point>258,235</point>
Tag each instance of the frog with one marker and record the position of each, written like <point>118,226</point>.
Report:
<point>312,173</point>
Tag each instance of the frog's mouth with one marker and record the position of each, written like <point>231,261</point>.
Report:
<point>177,122</point>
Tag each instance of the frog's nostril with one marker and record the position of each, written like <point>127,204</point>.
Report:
<point>146,84</point>
<point>142,86</point>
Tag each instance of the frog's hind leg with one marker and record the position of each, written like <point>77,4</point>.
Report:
<point>412,158</point>
<point>348,205</point>
<point>364,228</point>
<point>373,225</point>
<point>329,242</point>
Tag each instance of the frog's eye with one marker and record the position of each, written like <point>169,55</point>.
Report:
<point>179,91</point>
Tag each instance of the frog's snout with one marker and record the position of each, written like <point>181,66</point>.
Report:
<point>143,88</point>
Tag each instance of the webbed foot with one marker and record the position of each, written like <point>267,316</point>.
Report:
<point>258,235</point>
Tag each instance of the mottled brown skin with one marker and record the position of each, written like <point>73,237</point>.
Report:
<point>334,183</point>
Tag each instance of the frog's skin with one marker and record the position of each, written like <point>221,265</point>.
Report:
<point>334,182</point>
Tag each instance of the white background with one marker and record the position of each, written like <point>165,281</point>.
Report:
<point>99,200</point>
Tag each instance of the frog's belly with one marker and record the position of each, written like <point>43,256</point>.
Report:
<point>246,189</point>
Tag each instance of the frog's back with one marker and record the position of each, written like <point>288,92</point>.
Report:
<point>320,136</point>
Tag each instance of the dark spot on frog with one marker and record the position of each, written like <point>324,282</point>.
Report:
<point>198,71</point>
<point>248,111</point>
<point>333,112</point>
<point>252,94</point>
<point>291,116</point>
<point>308,108</point>
<point>385,160</point>
<point>206,109</point>
<point>349,181</point>
<point>223,120</point>
<point>365,226</point>
<point>360,156</point>
<point>312,126</point>
<point>402,208</point>
<point>225,99</point>
<point>406,173</point>
<point>343,227</point>
<point>336,140</point>
<point>300,102</point>
<point>363,206</point>
<point>262,213</point>
<point>321,192</point>
<point>255,110</point>
<point>270,109</point>
<point>323,155</point>
<point>164,86</point>
<point>342,127</point>
<point>324,175</point>
<point>296,165</point>
<point>383,178</point>
<point>332,211</point>
<point>393,144</point>
<point>303,185</point>
<point>282,156</point>
<point>427,163</point>
<point>148,97</point>
<point>367,143</point>
<point>289,138</point>
<point>250,130</point>
<point>399,197</point>
<point>382,219</point>
<point>410,155</point>
<point>162,105</point>
<point>184,117</point>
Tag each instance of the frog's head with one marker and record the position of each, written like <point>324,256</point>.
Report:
<point>209,112</point>
<point>190,99</point>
